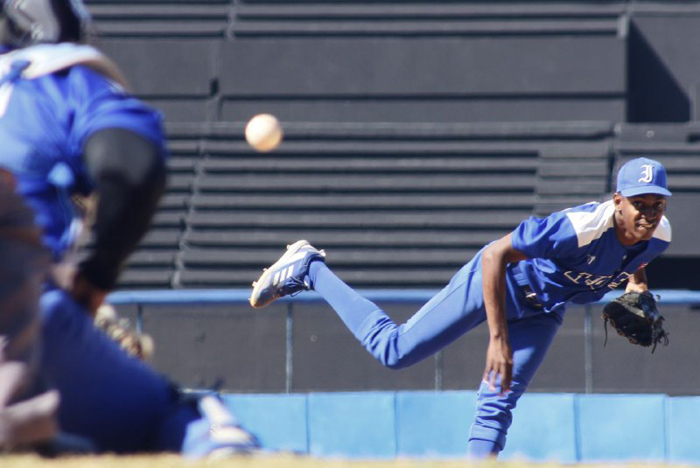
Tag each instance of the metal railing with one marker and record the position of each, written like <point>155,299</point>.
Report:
<point>397,296</point>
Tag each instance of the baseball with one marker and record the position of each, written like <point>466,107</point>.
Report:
<point>263,132</point>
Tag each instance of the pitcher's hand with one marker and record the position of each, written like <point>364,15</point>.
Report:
<point>499,361</point>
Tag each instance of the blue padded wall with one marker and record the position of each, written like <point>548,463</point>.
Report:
<point>352,425</point>
<point>622,427</point>
<point>279,421</point>
<point>544,428</point>
<point>557,427</point>
<point>683,417</point>
<point>433,424</point>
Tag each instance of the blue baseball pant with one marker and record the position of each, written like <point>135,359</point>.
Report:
<point>455,310</point>
<point>116,401</point>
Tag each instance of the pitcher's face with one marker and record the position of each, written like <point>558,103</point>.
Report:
<point>637,217</point>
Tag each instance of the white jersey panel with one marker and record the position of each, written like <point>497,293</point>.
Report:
<point>591,225</point>
<point>663,230</point>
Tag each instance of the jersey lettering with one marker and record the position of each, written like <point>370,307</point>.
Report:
<point>576,276</point>
<point>596,281</point>
<point>621,278</point>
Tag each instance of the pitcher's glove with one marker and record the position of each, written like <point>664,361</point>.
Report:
<point>634,315</point>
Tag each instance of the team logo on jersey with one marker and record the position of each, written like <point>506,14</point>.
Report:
<point>596,281</point>
<point>647,173</point>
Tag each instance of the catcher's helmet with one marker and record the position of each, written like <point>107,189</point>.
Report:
<point>45,21</point>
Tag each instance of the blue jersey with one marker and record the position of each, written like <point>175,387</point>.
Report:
<point>575,256</point>
<point>53,97</point>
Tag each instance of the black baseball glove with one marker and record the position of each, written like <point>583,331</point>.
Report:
<point>634,315</point>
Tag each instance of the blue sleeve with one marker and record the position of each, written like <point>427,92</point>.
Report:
<point>550,237</point>
<point>99,103</point>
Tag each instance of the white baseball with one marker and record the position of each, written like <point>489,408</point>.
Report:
<point>263,132</point>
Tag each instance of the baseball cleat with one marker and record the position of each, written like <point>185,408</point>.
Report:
<point>287,276</point>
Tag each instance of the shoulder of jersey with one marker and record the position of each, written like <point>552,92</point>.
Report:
<point>44,59</point>
<point>591,221</point>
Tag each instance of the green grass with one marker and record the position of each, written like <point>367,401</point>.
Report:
<point>174,461</point>
<point>272,461</point>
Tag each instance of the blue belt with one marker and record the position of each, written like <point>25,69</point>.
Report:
<point>530,297</point>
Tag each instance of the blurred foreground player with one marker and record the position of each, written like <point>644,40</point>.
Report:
<point>520,285</point>
<point>27,410</point>
<point>68,127</point>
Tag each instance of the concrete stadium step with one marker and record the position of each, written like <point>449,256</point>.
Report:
<point>479,131</point>
<point>360,201</point>
<point>146,278</point>
<point>369,257</point>
<point>361,220</point>
<point>329,238</point>
<point>395,164</point>
<point>428,10</point>
<point>336,183</point>
<point>127,19</point>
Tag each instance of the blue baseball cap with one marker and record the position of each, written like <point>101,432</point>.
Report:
<point>642,176</point>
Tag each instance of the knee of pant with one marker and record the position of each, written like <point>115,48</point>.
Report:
<point>494,409</point>
<point>495,413</point>
<point>387,353</point>
<point>55,304</point>
<point>393,361</point>
<point>395,364</point>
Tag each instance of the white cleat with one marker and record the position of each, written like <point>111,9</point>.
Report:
<point>287,276</point>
